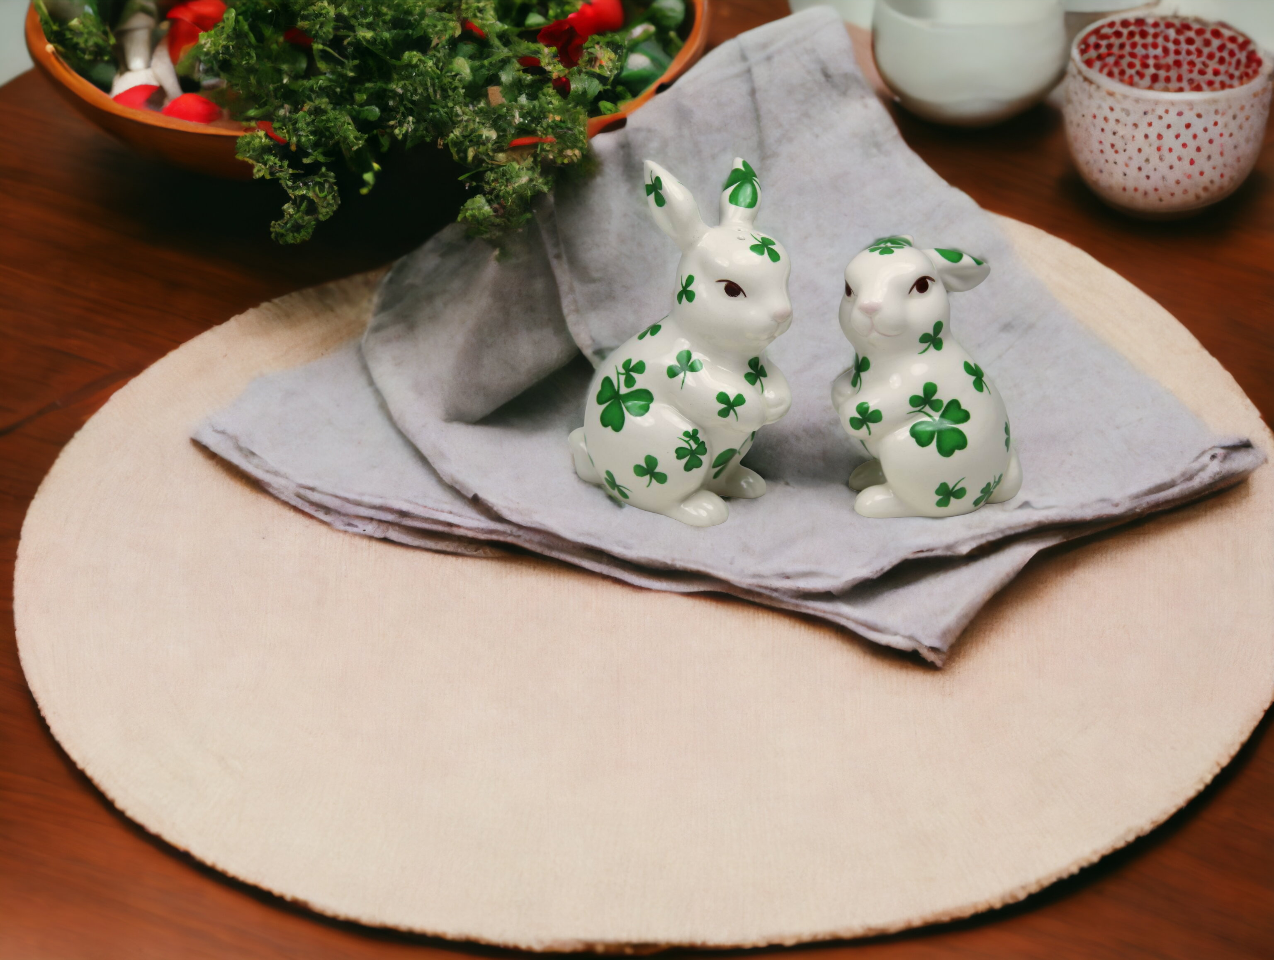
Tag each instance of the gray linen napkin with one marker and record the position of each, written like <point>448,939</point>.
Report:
<point>332,452</point>
<point>459,331</point>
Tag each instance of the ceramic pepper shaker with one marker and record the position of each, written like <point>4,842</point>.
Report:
<point>671,413</point>
<point>931,419</point>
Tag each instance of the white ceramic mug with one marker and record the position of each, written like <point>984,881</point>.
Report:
<point>969,62</point>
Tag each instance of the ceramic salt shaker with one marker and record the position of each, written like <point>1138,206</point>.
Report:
<point>671,413</point>
<point>932,420</point>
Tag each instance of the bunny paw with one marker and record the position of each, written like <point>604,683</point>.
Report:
<point>583,462</point>
<point>701,509</point>
<point>742,483</point>
<point>879,502</point>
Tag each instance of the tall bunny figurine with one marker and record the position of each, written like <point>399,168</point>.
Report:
<point>930,417</point>
<point>671,412</point>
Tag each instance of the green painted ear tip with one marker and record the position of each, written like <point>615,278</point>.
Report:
<point>743,184</point>
<point>955,256</point>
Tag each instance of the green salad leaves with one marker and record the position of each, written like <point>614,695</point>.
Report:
<point>505,86</point>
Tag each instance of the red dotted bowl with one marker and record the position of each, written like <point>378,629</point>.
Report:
<point>1165,115</point>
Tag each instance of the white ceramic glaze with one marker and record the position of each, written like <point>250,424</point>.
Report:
<point>671,412</point>
<point>1151,146</point>
<point>969,62</point>
<point>929,416</point>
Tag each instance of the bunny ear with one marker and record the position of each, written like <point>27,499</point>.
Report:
<point>958,270</point>
<point>740,194</point>
<point>673,207</point>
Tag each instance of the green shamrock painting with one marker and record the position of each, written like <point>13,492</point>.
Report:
<point>722,460</point>
<point>684,365</point>
<point>655,188</point>
<point>729,406</point>
<point>942,425</point>
<point>685,293</point>
<point>692,450</point>
<point>979,378</point>
<point>987,489</point>
<point>650,331</point>
<point>630,371</point>
<point>650,470</point>
<point>926,400</point>
<point>616,488</point>
<point>955,256</point>
<point>756,374</point>
<point>614,402</point>
<point>866,417</point>
<point>764,246</point>
<point>887,245</point>
<point>861,366</point>
<point>948,492</point>
<point>932,339</point>
<point>747,188</point>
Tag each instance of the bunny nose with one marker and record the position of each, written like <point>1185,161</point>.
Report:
<point>782,313</point>
<point>869,307</point>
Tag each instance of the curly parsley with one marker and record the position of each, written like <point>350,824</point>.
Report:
<point>467,75</point>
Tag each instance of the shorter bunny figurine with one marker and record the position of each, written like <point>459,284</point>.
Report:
<point>932,420</point>
<point>672,411</point>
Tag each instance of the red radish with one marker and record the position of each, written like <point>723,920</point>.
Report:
<point>566,39</point>
<point>473,28</point>
<point>136,97</point>
<point>204,14</point>
<point>568,36</point>
<point>188,21</point>
<point>297,36</point>
<point>268,127</point>
<point>600,16</point>
<point>191,106</point>
<point>528,61</point>
<point>181,37</point>
<point>563,86</point>
<point>529,141</point>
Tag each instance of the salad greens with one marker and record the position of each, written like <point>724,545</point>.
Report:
<point>506,86</point>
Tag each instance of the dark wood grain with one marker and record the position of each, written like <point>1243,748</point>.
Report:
<point>107,262</point>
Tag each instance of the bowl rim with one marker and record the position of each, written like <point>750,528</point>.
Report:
<point>46,58</point>
<point>1262,77</point>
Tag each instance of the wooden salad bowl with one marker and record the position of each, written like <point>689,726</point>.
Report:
<point>210,147</point>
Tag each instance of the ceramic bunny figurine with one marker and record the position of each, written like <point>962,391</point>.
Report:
<point>932,420</point>
<point>671,412</point>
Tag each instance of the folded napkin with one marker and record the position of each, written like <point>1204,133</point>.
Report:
<point>446,428</point>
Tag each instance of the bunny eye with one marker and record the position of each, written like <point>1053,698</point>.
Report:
<point>732,289</point>
<point>922,285</point>
<point>849,291</point>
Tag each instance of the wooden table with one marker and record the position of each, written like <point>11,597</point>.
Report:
<point>107,262</point>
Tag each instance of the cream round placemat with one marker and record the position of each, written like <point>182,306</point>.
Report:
<point>513,751</point>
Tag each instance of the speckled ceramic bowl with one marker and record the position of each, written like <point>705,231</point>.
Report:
<point>1165,115</point>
